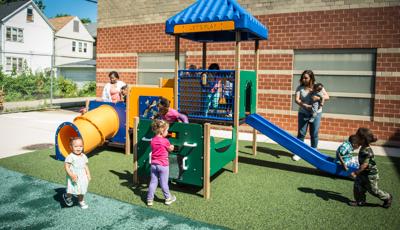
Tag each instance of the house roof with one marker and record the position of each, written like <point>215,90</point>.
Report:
<point>92,28</point>
<point>8,8</point>
<point>80,64</point>
<point>215,21</point>
<point>60,22</point>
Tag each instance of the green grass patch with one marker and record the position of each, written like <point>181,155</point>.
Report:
<point>270,190</point>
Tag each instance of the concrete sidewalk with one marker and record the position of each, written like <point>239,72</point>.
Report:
<point>57,103</point>
<point>21,130</point>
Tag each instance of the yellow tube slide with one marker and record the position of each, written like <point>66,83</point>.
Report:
<point>94,127</point>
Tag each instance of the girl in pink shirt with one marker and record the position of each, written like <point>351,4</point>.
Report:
<point>160,147</point>
<point>168,114</point>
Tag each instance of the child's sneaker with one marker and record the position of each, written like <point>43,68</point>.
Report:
<point>170,200</point>
<point>149,202</point>
<point>295,158</point>
<point>388,202</point>
<point>311,120</point>
<point>83,205</point>
<point>67,200</point>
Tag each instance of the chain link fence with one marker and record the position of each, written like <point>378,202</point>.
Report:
<point>40,89</point>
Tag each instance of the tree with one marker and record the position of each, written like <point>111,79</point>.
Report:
<point>61,15</point>
<point>86,20</point>
<point>40,5</point>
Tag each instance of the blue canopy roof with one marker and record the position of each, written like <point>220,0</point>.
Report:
<point>215,21</point>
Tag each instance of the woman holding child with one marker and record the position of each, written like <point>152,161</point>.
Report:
<point>305,100</point>
<point>112,90</point>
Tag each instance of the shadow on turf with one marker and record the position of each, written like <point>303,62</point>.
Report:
<point>274,152</point>
<point>58,197</point>
<point>331,195</point>
<point>286,167</point>
<point>141,188</point>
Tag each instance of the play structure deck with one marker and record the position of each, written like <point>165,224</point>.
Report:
<point>198,93</point>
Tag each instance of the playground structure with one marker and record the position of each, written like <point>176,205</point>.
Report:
<point>197,155</point>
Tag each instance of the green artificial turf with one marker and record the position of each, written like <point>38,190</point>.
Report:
<point>270,191</point>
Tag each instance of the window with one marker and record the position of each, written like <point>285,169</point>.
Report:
<point>347,74</point>
<point>85,47</point>
<point>80,47</point>
<point>20,63</point>
<point>8,64</point>
<point>14,63</point>
<point>76,26</point>
<point>29,15</point>
<point>8,33</point>
<point>20,36</point>
<point>154,66</point>
<point>14,34</point>
<point>73,46</point>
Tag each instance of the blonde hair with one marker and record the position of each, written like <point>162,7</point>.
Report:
<point>158,126</point>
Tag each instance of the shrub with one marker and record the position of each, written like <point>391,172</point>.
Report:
<point>88,89</point>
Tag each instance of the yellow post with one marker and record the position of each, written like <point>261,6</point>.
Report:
<point>206,169</point>
<point>135,151</point>
<point>237,98</point>
<point>127,134</point>
<point>256,65</point>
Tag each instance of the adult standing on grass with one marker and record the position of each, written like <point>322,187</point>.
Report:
<point>305,101</point>
<point>111,91</point>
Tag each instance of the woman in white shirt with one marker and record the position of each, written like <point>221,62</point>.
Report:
<point>111,91</point>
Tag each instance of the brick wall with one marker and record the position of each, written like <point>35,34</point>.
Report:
<point>113,13</point>
<point>377,27</point>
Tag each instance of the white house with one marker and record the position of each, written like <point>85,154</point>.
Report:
<point>73,49</point>
<point>26,37</point>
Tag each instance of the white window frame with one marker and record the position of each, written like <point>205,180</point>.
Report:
<point>17,62</point>
<point>85,47</point>
<point>80,47</point>
<point>8,64</point>
<point>73,46</point>
<point>14,34</point>
<point>343,94</point>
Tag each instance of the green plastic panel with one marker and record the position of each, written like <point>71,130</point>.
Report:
<point>222,153</point>
<point>187,139</point>
<point>248,93</point>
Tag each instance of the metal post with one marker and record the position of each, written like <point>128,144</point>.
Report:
<point>256,65</point>
<point>176,72</point>
<point>237,98</point>
<point>204,57</point>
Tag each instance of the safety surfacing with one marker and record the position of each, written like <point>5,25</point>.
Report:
<point>30,203</point>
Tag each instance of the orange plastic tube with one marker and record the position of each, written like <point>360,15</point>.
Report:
<point>94,127</point>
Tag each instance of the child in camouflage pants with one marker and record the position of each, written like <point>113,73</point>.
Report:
<point>366,177</point>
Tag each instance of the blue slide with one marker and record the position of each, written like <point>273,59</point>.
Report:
<point>296,146</point>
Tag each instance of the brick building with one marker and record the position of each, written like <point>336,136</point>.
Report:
<point>353,47</point>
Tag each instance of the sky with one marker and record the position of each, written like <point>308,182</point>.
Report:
<point>80,8</point>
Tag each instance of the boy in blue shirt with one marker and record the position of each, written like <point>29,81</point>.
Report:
<point>344,155</point>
